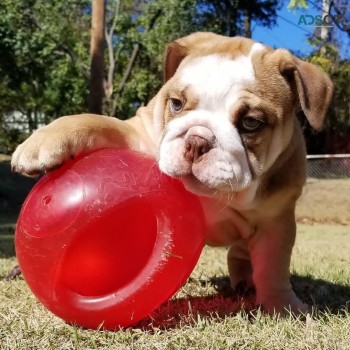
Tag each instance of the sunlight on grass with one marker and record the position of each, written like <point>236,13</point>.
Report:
<point>325,201</point>
<point>204,314</point>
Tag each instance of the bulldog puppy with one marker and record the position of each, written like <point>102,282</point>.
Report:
<point>225,124</point>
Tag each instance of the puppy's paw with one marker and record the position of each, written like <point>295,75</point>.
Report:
<point>240,274</point>
<point>283,304</point>
<point>41,152</point>
<point>49,147</point>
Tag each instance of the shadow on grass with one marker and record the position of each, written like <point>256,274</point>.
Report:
<point>318,293</point>
<point>7,244</point>
<point>13,190</point>
<point>321,294</point>
<point>176,313</point>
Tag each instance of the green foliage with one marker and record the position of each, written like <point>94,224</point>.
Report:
<point>340,108</point>
<point>155,24</point>
<point>159,22</point>
<point>43,55</point>
<point>9,138</point>
<point>295,4</point>
<point>174,18</point>
<point>44,51</point>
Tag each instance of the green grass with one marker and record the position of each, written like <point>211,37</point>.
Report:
<point>205,314</point>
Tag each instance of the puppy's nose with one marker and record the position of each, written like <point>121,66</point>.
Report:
<point>196,146</point>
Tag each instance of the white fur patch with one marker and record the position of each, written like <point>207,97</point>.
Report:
<point>217,82</point>
<point>217,79</point>
<point>256,48</point>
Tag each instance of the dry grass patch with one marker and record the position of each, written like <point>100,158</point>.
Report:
<point>205,314</point>
<point>325,201</point>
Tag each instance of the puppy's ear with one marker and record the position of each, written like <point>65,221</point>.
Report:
<point>314,88</point>
<point>176,51</point>
<point>174,54</point>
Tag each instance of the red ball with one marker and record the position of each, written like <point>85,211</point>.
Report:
<point>107,238</point>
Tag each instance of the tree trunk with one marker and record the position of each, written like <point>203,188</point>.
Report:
<point>248,24</point>
<point>231,18</point>
<point>96,93</point>
<point>324,29</point>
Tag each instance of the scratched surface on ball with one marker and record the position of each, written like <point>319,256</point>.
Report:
<point>107,238</point>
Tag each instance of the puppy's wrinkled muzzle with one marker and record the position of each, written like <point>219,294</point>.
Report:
<point>204,150</point>
<point>199,140</point>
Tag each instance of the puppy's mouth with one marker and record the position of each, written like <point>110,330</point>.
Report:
<point>207,157</point>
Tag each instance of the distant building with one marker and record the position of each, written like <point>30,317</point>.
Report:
<point>22,122</point>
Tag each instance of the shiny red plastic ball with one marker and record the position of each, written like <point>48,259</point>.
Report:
<point>107,238</point>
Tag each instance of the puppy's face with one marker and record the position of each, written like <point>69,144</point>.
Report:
<point>228,113</point>
<point>221,121</point>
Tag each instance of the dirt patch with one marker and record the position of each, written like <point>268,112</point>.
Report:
<point>4,158</point>
<point>325,201</point>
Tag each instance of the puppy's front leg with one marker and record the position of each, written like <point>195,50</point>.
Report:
<point>51,145</point>
<point>270,250</point>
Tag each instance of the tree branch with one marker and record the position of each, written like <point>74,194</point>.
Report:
<point>345,28</point>
<point>132,60</point>
<point>59,43</point>
<point>112,61</point>
<point>128,68</point>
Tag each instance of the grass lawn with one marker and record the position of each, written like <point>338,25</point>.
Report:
<point>205,314</point>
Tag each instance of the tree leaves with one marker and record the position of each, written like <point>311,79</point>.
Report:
<point>40,55</point>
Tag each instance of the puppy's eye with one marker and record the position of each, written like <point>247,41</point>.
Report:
<point>250,124</point>
<point>176,105</point>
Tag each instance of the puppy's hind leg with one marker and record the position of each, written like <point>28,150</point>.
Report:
<point>240,267</point>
